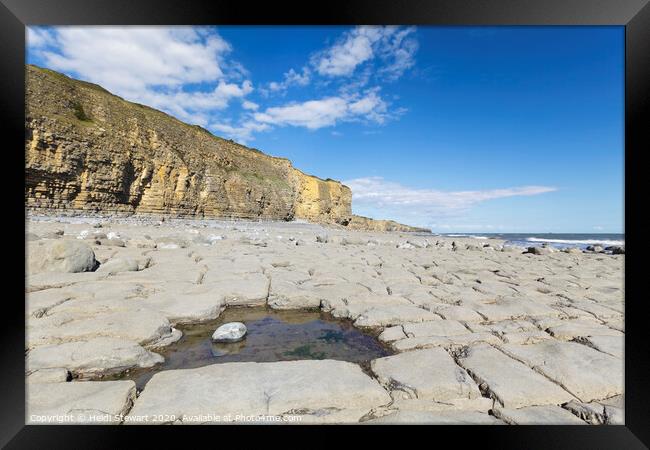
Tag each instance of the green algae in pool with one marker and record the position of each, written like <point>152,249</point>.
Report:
<point>272,336</point>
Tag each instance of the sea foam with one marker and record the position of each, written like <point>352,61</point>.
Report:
<point>576,241</point>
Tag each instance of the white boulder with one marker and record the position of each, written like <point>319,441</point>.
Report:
<point>229,332</point>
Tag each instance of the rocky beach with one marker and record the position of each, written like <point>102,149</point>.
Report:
<point>475,332</point>
<point>177,277</point>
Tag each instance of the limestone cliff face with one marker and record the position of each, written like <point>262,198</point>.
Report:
<point>87,149</point>
<point>318,198</point>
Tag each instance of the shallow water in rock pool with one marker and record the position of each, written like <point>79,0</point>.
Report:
<point>272,336</point>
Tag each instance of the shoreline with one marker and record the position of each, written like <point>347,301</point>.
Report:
<point>84,216</point>
<point>493,241</point>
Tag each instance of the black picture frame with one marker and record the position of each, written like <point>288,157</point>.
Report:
<point>634,15</point>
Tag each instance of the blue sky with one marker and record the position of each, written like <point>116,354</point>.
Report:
<point>460,129</point>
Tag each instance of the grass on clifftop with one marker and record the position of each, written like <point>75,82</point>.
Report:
<point>79,112</point>
<point>67,79</point>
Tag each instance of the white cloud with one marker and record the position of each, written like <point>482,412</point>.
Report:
<point>194,107</point>
<point>422,205</point>
<point>365,105</point>
<point>136,57</point>
<point>242,133</point>
<point>393,45</point>
<point>399,53</point>
<point>203,100</point>
<point>38,37</point>
<point>345,56</point>
<point>294,77</point>
<point>233,90</point>
<point>360,80</point>
<point>247,104</point>
<point>311,114</point>
<point>290,78</point>
<point>314,114</point>
<point>382,192</point>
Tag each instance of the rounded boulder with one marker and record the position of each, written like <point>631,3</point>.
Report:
<point>63,255</point>
<point>229,332</point>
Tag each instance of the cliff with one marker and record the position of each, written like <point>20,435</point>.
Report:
<point>87,149</point>
<point>367,224</point>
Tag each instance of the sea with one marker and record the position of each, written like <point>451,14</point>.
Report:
<point>557,240</point>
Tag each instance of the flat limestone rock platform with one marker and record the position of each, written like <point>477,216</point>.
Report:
<point>485,326</point>
<point>89,402</point>
<point>234,391</point>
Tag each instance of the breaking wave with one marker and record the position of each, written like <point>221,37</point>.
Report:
<point>577,241</point>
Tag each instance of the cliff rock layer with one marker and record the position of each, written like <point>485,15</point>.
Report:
<point>87,149</point>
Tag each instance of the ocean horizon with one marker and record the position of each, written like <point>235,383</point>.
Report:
<point>558,240</point>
